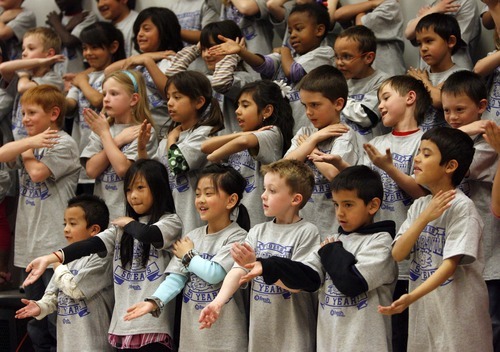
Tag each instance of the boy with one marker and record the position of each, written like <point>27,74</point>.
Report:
<point>464,97</point>
<point>442,237</point>
<point>82,291</point>
<point>355,267</point>
<point>49,165</point>
<point>41,47</point>
<point>276,315</point>
<point>323,91</point>
<point>307,25</point>
<point>355,50</point>
<point>15,20</point>
<point>122,15</point>
<point>438,38</point>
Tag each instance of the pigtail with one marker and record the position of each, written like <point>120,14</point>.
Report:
<point>213,117</point>
<point>243,218</point>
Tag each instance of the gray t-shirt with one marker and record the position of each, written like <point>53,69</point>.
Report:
<point>198,293</point>
<point>126,26</point>
<point>462,326</point>
<point>24,21</point>
<point>492,111</point>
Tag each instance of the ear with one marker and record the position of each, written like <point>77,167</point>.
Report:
<point>94,230</point>
<point>297,199</point>
<point>51,52</point>
<point>320,30</point>
<point>339,104</point>
<point>452,41</point>
<point>411,97</point>
<point>370,57</point>
<point>233,199</point>
<point>451,166</point>
<point>483,104</point>
<point>267,111</point>
<point>114,47</point>
<point>134,99</point>
<point>200,101</point>
<point>374,205</point>
<point>54,113</point>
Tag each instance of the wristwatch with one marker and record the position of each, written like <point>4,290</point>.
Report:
<point>159,305</point>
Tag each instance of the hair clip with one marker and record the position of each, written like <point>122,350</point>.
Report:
<point>285,89</point>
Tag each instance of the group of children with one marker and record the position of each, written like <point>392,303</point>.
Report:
<point>333,175</point>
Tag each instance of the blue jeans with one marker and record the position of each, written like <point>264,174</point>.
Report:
<point>41,332</point>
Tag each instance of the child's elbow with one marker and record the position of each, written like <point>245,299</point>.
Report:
<point>398,257</point>
<point>92,172</point>
<point>250,8</point>
<point>38,175</point>
<point>122,170</point>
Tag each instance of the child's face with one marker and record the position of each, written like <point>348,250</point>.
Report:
<point>148,37</point>
<point>10,4</point>
<point>460,110</point>
<point>320,110</point>
<point>75,225</point>
<point>98,58</point>
<point>305,34</point>
<point>350,60</point>
<point>392,106</point>
<point>139,195</point>
<point>111,10</point>
<point>426,167</point>
<point>277,197</point>
<point>181,108</point>
<point>248,115</point>
<point>351,211</point>
<point>117,101</point>
<point>35,119</point>
<point>33,48</point>
<point>434,50</point>
<point>210,60</point>
<point>211,204</point>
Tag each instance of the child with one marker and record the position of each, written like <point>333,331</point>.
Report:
<point>112,147</point>
<point>49,169</point>
<point>323,92</point>
<point>279,320</point>
<point>102,44</point>
<point>492,136</point>
<point>442,237</point>
<point>355,50</point>
<point>385,19</point>
<point>80,291</point>
<point>464,97</point>
<point>264,138</point>
<point>354,268</point>
<point>226,73</point>
<point>122,15</point>
<point>41,47</point>
<point>138,243</point>
<point>156,34</point>
<point>438,38</point>
<point>15,20</point>
<point>308,25</point>
<point>202,260</point>
<point>196,116</point>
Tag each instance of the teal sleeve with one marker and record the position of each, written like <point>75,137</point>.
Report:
<point>209,271</point>
<point>173,284</point>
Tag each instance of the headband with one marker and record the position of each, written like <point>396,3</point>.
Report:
<point>132,78</point>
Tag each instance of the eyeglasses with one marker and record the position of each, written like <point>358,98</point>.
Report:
<point>346,59</point>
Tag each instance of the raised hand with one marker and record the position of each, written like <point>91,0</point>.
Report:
<point>492,135</point>
<point>97,122</point>
<point>31,309</point>
<point>144,135</point>
<point>243,254</point>
<point>46,139</point>
<point>439,203</point>
<point>255,270</point>
<point>127,135</point>
<point>139,309</point>
<point>378,159</point>
<point>227,47</point>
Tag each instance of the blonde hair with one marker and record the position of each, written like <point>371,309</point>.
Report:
<point>133,82</point>
<point>47,97</point>
<point>48,37</point>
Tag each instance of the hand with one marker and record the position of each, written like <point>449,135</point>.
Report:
<point>255,270</point>
<point>53,18</point>
<point>173,135</point>
<point>383,161</point>
<point>243,254</point>
<point>52,60</point>
<point>209,315</point>
<point>419,74</point>
<point>23,74</point>
<point>80,78</point>
<point>318,156</point>
<point>439,203</point>
<point>139,309</point>
<point>46,139</point>
<point>9,15</point>
<point>144,135</point>
<point>37,267</point>
<point>330,131</point>
<point>265,128</point>
<point>68,80</point>
<point>445,6</point>
<point>302,139</point>
<point>122,221</point>
<point>227,47</point>
<point>182,246</point>
<point>98,123</point>
<point>492,135</point>
<point>474,128</point>
<point>376,3</point>
<point>127,135</point>
<point>327,241</point>
<point>397,306</point>
<point>76,20</point>
<point>30,310</point>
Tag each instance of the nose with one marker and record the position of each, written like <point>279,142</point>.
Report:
<point>66,228</point>
<point>263,196</point>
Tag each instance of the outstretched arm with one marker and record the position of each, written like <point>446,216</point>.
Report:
<point>242,142</point>
<point>46,139</point>
<point>349,12</point>
<point>237,46</point>
<point>442,6</point>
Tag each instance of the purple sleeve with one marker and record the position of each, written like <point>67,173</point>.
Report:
<point>266,69</point>
<point>296,72</point>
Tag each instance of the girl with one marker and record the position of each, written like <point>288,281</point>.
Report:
<point>112,147</point>
<point>202,259</point>
<point>196,116</point>
<point>226,73</point>
<point>139,242</point>
<point>266,132</point>
<point>102,44</point>
<point>157,35</point>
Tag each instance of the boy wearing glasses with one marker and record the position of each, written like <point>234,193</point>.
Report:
<point>355,50</point>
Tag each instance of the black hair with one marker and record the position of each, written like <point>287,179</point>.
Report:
<point>363,35</point>
<point>169,29</point>
<point>4,53</point>
<point>224,177</point>
<point>443,25</point>
<point>95,209</point>
<point>266,92</point>
<point>317,12</point>
<point>327,80</point>
<point>156,176</point>
<point>453,144</point>
<point>227,28</point>
<point>102,35</point>
<point>403,84</point>
<point>360,178</point>
<point>194,85</point>
<point>468,83</point>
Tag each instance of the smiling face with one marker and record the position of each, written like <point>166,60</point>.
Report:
<point>113,10</point>
<point>139,195</point>
<point>392,106</point>
<point>210,203</point>
<point>351,211</point>
<point>434,50</point>
<point>320,110</point>
<point>305,34</point>
<point>148,37</point>
<point>97,57</point>
<point>460,110</point>
<point>75,225</point>
<point>36,120</point>
<point>426,167</point>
